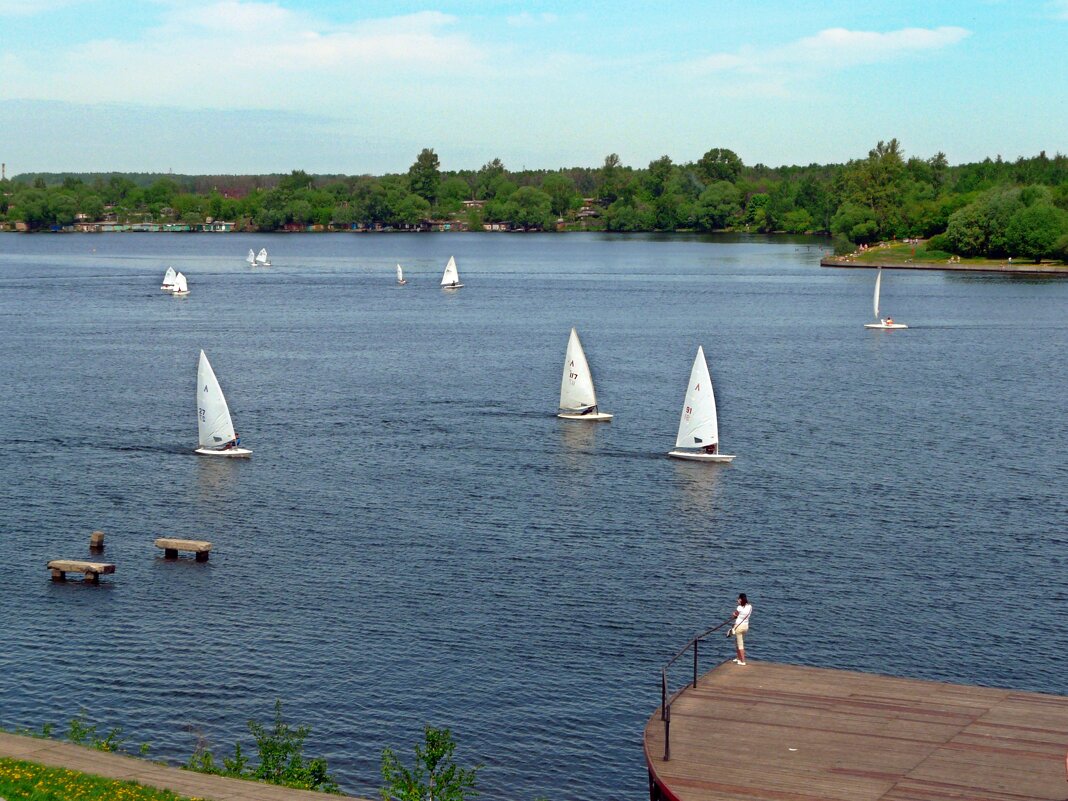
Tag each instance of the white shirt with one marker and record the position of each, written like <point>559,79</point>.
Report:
<point>743,614</point>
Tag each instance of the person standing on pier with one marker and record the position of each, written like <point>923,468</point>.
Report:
<point>742,613</point>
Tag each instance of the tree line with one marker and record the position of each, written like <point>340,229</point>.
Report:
<point>992,208</point>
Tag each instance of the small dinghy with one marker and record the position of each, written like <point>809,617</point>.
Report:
<point>578,401</point>
<point>698,439</point>
<point>168,280</point>
<point>180,288</point>
<point>885,323</point>
<point>400,276</point>
<point>216,429</point>
<point>251,258</point>
<point>451,278</point>
<point>262,260</point>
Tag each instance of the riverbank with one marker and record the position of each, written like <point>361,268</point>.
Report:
<point>1043,268</point>
<point>914,255</point>
<point>110,765</point>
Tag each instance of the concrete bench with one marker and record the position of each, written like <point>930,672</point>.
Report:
<point>171,547</point>
<point>90,570</point>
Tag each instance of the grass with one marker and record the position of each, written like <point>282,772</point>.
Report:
<point>28,781</point>
<point>902,253</point>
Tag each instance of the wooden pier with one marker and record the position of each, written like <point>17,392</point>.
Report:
<point>771,732</point>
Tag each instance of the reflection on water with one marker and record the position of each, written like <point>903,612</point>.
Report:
<point>218,479</point>
<point>698,486</point>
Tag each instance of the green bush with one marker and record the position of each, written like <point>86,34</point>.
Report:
<point>280,748</point>
<point>434,775</point>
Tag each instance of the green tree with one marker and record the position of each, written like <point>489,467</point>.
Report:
<point>562,194</point>
<point>719,164</point>
<point>855,222</point>
<point>1033,231</point>
<point>433,776</point>
<point>295,181</point>
<point>533,208</point>
<point>424,176</point>
<point>717,205</point>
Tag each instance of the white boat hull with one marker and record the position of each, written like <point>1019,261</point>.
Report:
<point>452,286</point>
<point>401,283</point>
<point>596,417</point>
<point>885,327</point>
<point>700,456</point>
<point>180,294</point>
<point>231,453</point>
<point>166,288</point>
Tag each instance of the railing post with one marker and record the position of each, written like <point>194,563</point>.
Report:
<point>695,641</point>
<point>667,736</point>
<point>663,694</point>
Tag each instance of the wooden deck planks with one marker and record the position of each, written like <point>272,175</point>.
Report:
<point>857,737</point>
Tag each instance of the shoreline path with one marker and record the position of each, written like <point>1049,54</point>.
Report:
<point>56,754</point>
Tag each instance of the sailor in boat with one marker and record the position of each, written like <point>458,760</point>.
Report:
<point>234,443</point>
<point>713,448</point>
<point>888,321</point>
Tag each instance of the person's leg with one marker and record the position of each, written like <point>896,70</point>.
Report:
<point>739,646</point>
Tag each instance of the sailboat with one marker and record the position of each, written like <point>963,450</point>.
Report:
<point>884,322</point>
<point>400,276</point>
<point>698,438</point>
<point>251,258</point>
<point>216,429</point>
<point>168,280</point>
<point>180,287</point>
<point>578,401</point>
<point>261,258</point>
<point>451,278</point>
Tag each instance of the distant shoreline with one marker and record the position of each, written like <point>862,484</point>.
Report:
<point>1043,268</point>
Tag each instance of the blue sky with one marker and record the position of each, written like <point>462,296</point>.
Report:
<point>360,87</point>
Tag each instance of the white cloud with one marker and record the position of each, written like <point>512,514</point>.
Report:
<point>259,55</point>
<point>828,50</point>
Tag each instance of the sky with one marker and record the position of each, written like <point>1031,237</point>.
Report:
<point>361,86</point>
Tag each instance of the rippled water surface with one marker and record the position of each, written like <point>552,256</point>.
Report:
<point>418,539</point>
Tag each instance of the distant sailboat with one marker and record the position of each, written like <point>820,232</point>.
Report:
<point>251,258</point>
<point>261,258</point>
<point>698,427</point>
<point>400,276</point>
<point>451,278</point>
<point>216,429</point>
<point>884,323</point>
<point>168,280</point>
<point>578,401</point>
<point>180,287</point>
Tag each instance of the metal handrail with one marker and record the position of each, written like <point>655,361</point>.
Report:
<point>665,704</point>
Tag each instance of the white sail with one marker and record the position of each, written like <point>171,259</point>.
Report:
<point>168,278</point>
<point>400,275</point>
<point>261,257</point>
<point>698,427</point>
<point>878,281</point>
<point>213,416</point>
<point>251,257</point>
<point>451,277</point>
<point>576,386</point>
<point>180,284</point>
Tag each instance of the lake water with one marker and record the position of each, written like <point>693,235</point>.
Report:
<point>418,539</point>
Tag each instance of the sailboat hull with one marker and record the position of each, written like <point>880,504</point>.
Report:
<point>885,327</point>
<point>230,453</point>
<point>596,417</point>
<point>451,286</point>
<point>700,456</point>
<point>179,294</point>
<point>401,282</point>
